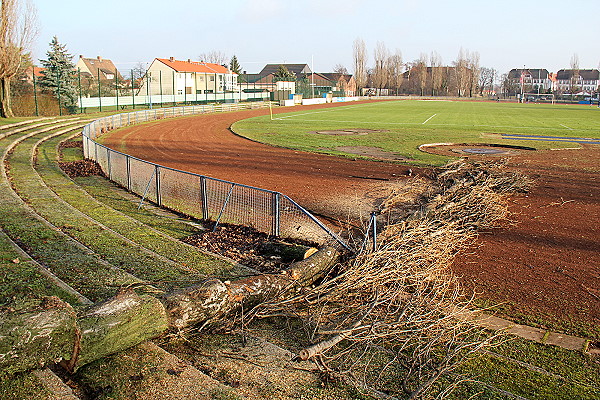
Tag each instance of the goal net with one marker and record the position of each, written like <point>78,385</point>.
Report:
<point>538,98</point>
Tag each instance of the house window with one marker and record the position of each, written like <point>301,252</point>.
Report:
<point>212,78</point>
<point>179,91</point>
<point>201,78</point>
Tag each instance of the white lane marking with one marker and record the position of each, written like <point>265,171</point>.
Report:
<point>427,120</point>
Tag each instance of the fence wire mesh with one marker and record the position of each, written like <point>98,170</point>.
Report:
<point>196,195</point>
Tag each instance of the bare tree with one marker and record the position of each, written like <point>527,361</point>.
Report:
<point>396,70</point>
<point>509,86</point>
<point>487,78</point>
<point>574,81</point>
<point>472,71</point>
<point>359,53</point>
<point>437,73</point>
<point>18,28</point>
<point>214,57</point>
<point>461,74</point>
<point>421,72</point>
<point>340,69</point>
<point>380,72</point>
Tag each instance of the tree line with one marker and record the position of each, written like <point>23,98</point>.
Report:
<point>426,75</point>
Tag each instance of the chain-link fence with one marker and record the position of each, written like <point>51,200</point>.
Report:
<point>197,195</point>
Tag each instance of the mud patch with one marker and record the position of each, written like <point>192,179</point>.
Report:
<point>475,149</point>
<point>349,132</point>
<point>372,152</point>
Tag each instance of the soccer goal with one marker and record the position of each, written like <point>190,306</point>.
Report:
<point>538,98</point>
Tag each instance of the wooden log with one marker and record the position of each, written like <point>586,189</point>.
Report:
<point>117,324</point>
<point>41,332</point>
<point>211,301</point>
<point>50,331</point>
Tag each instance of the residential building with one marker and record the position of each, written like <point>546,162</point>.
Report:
<point>343,82</point>
<point>530,80</point>
<point>307,81</point>
<point>38,72</point>
<point>98,69</point>
<point>578,81</point>
<point>298,70</point>
<point>168,76</point>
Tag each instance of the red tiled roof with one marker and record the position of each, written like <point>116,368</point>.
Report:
<point>38,71</point>
<point>194,66</point>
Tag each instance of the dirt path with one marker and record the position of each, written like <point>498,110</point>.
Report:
<point>546,265</point>
<point>203,144</point>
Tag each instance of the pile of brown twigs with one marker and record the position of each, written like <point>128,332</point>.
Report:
<point>395,321</point>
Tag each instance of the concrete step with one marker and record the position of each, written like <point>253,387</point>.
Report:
<point>147,372</point>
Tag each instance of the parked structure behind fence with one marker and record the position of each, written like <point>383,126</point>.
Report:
<point>196,195</point>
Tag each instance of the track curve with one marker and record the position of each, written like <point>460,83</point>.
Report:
<point>333,186</point>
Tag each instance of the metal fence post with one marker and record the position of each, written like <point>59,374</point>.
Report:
<point>37,113</point>
<point>276,214</point>
<point>117,87</point>
<point>132,90</point>
<point>58,93</point>
<point>99,93</point>
<point>109,166</point>
<point>374,221</point>
<point>128,159</point>
<point>157,176</point>
<point>204,198</point>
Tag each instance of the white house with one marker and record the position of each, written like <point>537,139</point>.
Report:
<point>170,76</point>
<point>583,80</point>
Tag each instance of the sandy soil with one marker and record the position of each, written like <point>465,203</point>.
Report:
<point>547,264</point>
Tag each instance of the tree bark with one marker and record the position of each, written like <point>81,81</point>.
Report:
<point>50,331</point>
<point>115,325</point>
<point>209,302</point>
<point>30,337</point>
<point>5,103</point>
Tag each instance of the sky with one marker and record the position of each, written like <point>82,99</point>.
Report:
<point>506,33</point>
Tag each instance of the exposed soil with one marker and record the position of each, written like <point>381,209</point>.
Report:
<point>372,152</point>
<point>465,149</point>
<point>250,247</point>
<point>546,265</point>
<point>204,144</point>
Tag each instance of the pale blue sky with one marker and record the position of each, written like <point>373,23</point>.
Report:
<point>506,33</point>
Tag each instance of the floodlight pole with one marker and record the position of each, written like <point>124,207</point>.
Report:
<point>522,83</point>
<point>312,76</point>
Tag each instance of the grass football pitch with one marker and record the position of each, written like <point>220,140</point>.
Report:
<point>401,126</point>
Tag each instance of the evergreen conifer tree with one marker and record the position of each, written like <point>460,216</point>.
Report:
<point>59,75</point>
<point>234,65</point>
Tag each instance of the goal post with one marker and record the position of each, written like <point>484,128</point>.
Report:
<point>538,97</point>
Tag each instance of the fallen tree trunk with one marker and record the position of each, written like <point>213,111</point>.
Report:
<point>117,324</point>
<point>209,302</point>
<point>51,331</point>
<point>34,335</point>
